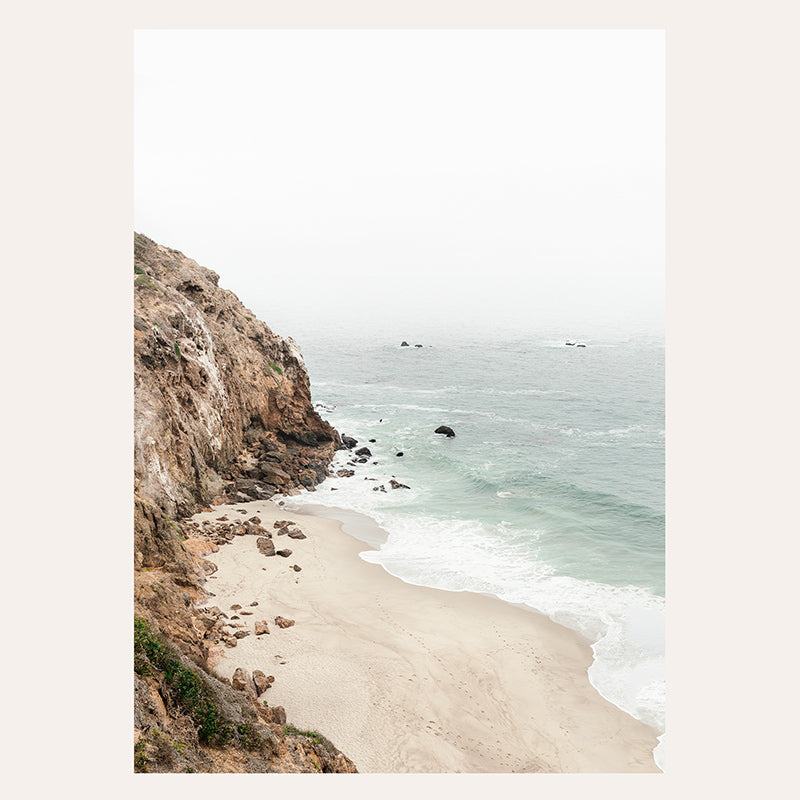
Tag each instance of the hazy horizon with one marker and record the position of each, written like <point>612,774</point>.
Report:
<point>404,182</point>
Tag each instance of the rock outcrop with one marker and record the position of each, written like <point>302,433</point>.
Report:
<point>222,413</point>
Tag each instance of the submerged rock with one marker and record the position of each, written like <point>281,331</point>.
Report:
<point>397,485</point>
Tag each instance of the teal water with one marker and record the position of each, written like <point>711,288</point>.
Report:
<point>551,494</point>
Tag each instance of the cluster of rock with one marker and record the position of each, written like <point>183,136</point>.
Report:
<point>208,536</point>
<point>269,466</point>
<point>220,628</point>
<point>362,456</point>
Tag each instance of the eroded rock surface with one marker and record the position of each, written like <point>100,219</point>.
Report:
<point>222,414</point>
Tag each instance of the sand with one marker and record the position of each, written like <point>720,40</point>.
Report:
<point>403,678</point>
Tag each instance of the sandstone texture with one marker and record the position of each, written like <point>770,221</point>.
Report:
<point>222,414</point>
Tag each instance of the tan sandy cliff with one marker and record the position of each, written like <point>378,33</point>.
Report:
<point>222,413</point>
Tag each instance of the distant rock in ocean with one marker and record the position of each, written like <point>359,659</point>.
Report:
<point>444,430</point>
<point>404,344</point>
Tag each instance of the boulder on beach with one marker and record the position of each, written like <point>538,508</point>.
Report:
<point>282,622</point>
<point>265,546</point>
<point>285,553</point>
<point>261,627</point>
<point>295,533</point>
<point>261,681</point>
<point>444,430</point>
<point>240,679</point>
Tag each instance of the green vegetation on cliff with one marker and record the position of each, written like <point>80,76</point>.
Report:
<point>151,653</point>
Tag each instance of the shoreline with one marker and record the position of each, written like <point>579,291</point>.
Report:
<point>407,678</point>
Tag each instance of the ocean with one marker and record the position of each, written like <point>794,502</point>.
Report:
<point>550,495</point>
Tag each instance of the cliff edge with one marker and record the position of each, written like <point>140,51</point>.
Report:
<point>222,414</point>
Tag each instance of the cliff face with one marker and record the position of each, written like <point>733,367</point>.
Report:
<point>212,382</point>
<point>222,413</point>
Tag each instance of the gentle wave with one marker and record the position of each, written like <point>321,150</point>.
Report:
<point>625,625</point>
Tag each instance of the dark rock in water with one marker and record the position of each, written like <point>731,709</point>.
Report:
<point>448,432</point>
<point>397,485</point>
<point>372,441</point>
<point>404,344</point>
<point>417,345</point>
<point>399,454</point>
<point>580,345</point>
<point>285,553</point>
<point>363,451</point>
<point>362,460</point>
<point>380,488</point>
<point>349,442</point>
<point>345,473</point>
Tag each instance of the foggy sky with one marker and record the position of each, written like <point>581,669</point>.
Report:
<point>400,181</point>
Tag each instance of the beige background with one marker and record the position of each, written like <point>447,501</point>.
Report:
<point>731,372</point>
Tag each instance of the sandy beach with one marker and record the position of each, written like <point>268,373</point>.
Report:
<point>409,679</point>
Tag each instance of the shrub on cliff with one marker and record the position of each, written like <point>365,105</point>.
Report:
<point>151,654</point>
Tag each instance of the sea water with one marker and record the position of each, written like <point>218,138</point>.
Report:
<point>551,493</point>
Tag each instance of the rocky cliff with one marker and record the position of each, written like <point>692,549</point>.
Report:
<point>222,413</point>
